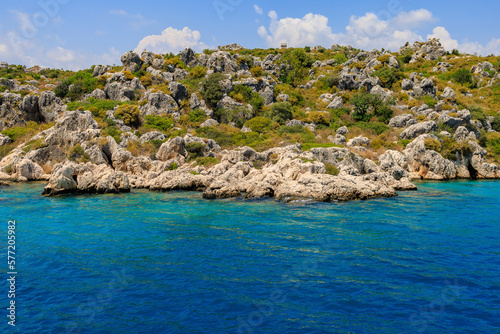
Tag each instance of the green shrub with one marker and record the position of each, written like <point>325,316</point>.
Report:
<point>307,49</point>
<point>259,124</point>
<point>280,112</point>
<point>340,58</point>
<point>222,138</point>
<point>172,166</point>
<point>197,116</point>
<point>388,76</point>
<point>292,129</point>
<point>365,102</point>
<point>113,132</point>
<point>245,94</point>
<point>495,124</point>
<point>238,115</point>
<point>130,114</point>
<point>207,161</point>
<point>377,127</point>
<point>82,82</point>
<point>429,100</point>
<point>211,89</point>
<point>404,142</point>
<point>463,77</point>
<point>76,153</point>
<point>331,169</point>
<point>195,149</point>
<point>320,118</point>
<point>158,122</point>
<point>432,144</point>
<point>256,71</point>
<point>299,62</point>
<point>156,142</point>
<point>198,72</point>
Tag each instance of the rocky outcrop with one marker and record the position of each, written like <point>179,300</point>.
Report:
<point>418,129</point>
<point>71,178</point>
<point>131,61</point>
<point>4,140</point>
<point>158,104</point>
<point>402,121</point>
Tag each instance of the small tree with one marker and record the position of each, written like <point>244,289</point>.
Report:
<point>130,114</point>
<point>463,76</point>
<point>280,112</point>
<point>211,90</point>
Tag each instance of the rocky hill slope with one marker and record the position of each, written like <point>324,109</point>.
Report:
<point>326,124</point>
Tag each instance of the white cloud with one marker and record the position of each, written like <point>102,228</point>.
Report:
<point>413,19</point>
<point>172,40</point>
<point>273,15</point>
<point>61,55</point>
<point>119,12</point>
<point>3,48</point>
<point>310,30</point>
<point>258,10</point>
<point>444,36</point>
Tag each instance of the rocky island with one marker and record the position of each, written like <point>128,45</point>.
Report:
<point>331,124</point>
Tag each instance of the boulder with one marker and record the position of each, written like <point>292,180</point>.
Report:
<point>342,130</point>
<point>359,141</point>
<point>188,57</point>
<point>153,135</point>
<point>418,129</point>
<point>209,123</point>
<point>158,104</point>
<point>337,103</point>
<point>4,140</point>
<point>179,91</point>
<point>448,93</point>
<point>131,61</point>
<point>402,121</point>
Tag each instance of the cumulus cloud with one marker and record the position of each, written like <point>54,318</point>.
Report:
<point>412,19</point>
<point>446,41</point>
<point>366,32</point>
<point>312,29</point>
<point>172,40</point>
<point>258,10</point>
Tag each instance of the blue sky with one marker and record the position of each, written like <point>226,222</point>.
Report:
<point>74,34</point>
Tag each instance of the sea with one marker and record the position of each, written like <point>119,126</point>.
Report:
<point>427,261</point>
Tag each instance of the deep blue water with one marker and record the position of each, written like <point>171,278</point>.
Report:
<point>423,262</point>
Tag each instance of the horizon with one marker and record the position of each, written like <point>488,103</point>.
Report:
<point>43,33</point>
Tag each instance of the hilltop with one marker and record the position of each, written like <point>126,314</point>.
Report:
<point>328,124</point>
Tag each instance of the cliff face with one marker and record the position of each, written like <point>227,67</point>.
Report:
<point>329,125</point>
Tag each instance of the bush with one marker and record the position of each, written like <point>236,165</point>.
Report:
<point>222,138</point>
<point>432,144</point>
<point>331,169</point>
<point>129,114</point>
<point>238,115</point>
<point>211,89</point>
<point>340,58</point>
<point>158,122</point>
<point>247,95</point>
<point>113,132</point>
<point>195,149</point>
<point>207,161</point>
<point>280,112</point>
<point>82,82</point>
<point>377,127</point>
<point>259,124</point>
<point>364,102</point>
<point>298,62</point>
<point>256,71</point>
<point>291,129</point>
<point>197,116</point>
<point>76,153</point>
<point>495,124</point>
<point>388,76</point>
<point>463,77</point>
<point>319,117</point>
<point>198,72</point>
<point>98,106</point>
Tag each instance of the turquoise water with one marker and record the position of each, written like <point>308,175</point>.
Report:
<point>423,262</point>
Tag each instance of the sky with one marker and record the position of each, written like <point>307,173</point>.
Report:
<point>73,34</point>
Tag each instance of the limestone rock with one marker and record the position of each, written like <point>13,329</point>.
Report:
<point>418,129</point>
<point>131,61</point>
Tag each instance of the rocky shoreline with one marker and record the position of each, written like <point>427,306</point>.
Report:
<point>76,156</point>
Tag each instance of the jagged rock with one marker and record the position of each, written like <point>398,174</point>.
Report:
<point>188,57</point>
<point>99,70</point>
<point>461,134</point>
<point>118,92</point>
<point>153,135</point>
<point>209,123</point>
<point>158,104</point>
<point>30,106</point>
<point>359,141</point>
<point>339,139</point>
<point>283,98</point>
<point>430,50</point>
<point>221,61</point>
<point>179,91</point>
<point>50,106</point>
<point>395,163</point>
<point>481,67</point>
<point>418,129</point>
<point>147,57</point>
<point>4,140</point>
<point>342,130</point>
<point>452,122</point>
<point>131,61</point>
<point>246,111</point>
<point>337,103</point>
<point>428,164</point>
<point>268,95</point>
<point>448,93</point>
<point>407,84</point>
<point>116,154</point>
<point>98,94</point>
<point>70,178</point>
<point>175,148</point>
<point>402,121</point>
<point>26,170</point>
